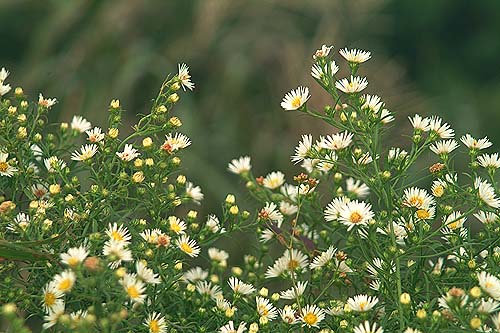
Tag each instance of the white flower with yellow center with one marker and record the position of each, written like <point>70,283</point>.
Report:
<point>151,235</point>
<point>194,192</point>
<point>206,288</point>
<point>274,180</point>
<point>128,153</point>
<point>355,213</point>
<point>134,288</point>
<point>295,260</point>
<point>156,323</point>
<point>438,187</point>
<point>53,316</point>
<point>118,233</point>
<point>64,281</point>
<point>46,102</point>
<point>53,164</point>
<point>80,124</point>
<point>184,77</point>
<point>489,161</point>
<point>418,198</point>
<point>188,246</point>
<point>74,256</point>
<point>265,308</point>
<point>21,221</point>
<point>324,51</point>
<point>175,142</point>
<point>355,85</point>
<point>367,328</point>
<point>5,168</point>
<point>455,220</point>
<point>86,152</point>
<point>362,303</point>
<point>95,135</point>
<point>288,315</point>
<point>420,123</point>
<point>486,193</point>
<point>294,292</point>
<point>295,99</point>
<point>195,274</point>
<point>117,252</point>
<point>271,213</point>
<point>240,165</point>
<point>332,210</point>
<point>229,328</point>
<point>51,297</point>
<point>475,144</point>
<point>311,315</point>
<point>444,147</point>
<point>336,141</point>
<point>355,56</point>
<point>324,258</point>
<point>176,225</point>
<point>444,131</point>
<point>490,284</point>
<point>146,274</point>
<point>240,287</point>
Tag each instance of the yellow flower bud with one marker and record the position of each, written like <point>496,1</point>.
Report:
<point>115,104</point>
<point>178,266</point>
<point>138,162</point>
<point>120,272</point>
<point>230,199</point>
<point>275,297</point>
<point>12,109</point>
<point>22,132</point>
<point>475,323</point>
<point>475,292</point>
<point>138,177</point>
<point>405,298</point>
<point>237,270</point>
<point>149,162</point>
<point>147,142</point>
<point>174,121</point>
<point>181,180</point>
<point>263,292</point>
<point>234,210</point>
<point>18,91</point>
<point>174,98</point>
<point>113,133</point>
<point>54,189</point>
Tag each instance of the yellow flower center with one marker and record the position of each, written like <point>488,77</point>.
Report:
<point>186,248</point>
<point>438,191</point>
<point>355,217</point>
<point>293,264</point>
<point>3,166</point>
<point>362,306</point>
<point>73,261</point>
<point>65,285</point>
<point>116,235</point>
<point>263,310</point>
<point>488,284</point>
<point>133,292</point>
<point>416,201</point>
<point>175,227</point>
<point>296,102</point>
<point>49,299</point>
<point>154,326</point>
<point>310,318</point>
<point>423,214</point>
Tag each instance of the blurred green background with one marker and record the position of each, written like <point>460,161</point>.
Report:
<point>429,56</point>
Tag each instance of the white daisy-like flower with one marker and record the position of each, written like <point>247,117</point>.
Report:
<point>444,131</point>
<point>175,142</point>
<point>80,124</point>
<point>367,328</point>
<point>146,274</point>
<point>295,260</point>
<point>324,51</point>
<point>362,303</point>
<point>194,192</point>
<point>287,208</point>
<point>454,221</point>
<point>218,255</point>
<point>412,330</point>
<point>312,315</point>
<point>290,191</point>
<point>490,284</point>
<point>184,77</point>
<point>128,153</point>
<point>156,323</point>
<point>354,213</point>
<point>151,235</point>
<point>188,246</point>
<point>378,265</point>
<point>355,56</point>
<point>319,72</point>
<point>4,88</point>
<point>53,316</point>
<point>54,164</point>
<point>117,252</point>
<point>355,85</point>
<point>417,197</point>
<point>195,274</point>
<point>274,180</point>
<point>303,149</point>
<point>496,321</point>
<point>288,315</point>
<point>396,154</point>
<point>118,233</point>
<point>5,168</point>
<point>46,102</point>
<point>78,315</point>
<point>213,224</point>
<point>86,152</point>
<point>295,98</point>
<point>294,292</point>
<point>486,193</point>
<point>386,116</point>
<point>488,306</point>
<point>64,281</point>
<point>372,103</point>
<point>270,212</point>
<point>489,161</point>
<point>95,135</point>
<point>324,258</point>
<point>240,287</point>
<point>444,147</point>
<point>336,141</point>
<point>3,74</point>
<point>279,268</point>
<point>229,328</point>
<point>486,217</point>
<point>176,225</point>
<point>240,165</point>
<point>39,191</point>
<point>265,309</point>
<point>206,288</point>
<point>475,144</point>
<point>419,123</point>
<point>74,256</point>
<point>332,210</point>
<point>356,187</point>
<point>134,288</point>
<point>52,297</point>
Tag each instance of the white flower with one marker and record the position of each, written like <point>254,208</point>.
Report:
<point>176,225</point>
<point>486,193</point>
<point>486,217</point>
<point>184,77</point>
<point>355,213</point>
<point>146,274</point>
<point>195,274</point>
<point>472,143</point>
<point>4,88</point>
<point>128,153</point>
<point>332,211</point>
<point>419,123</point>
<point>156,323</point>
<point>496,321</point>
<point>365,159</point>
<point>51,297</point>
<point>294,292</point>
<point>418,198</point>
<point>219,256</point>
<point>5,168</point>
<point>488,306</point>
<point>64,281</point>
<point>412,330</point>
<point>454,220</point>
<point>270,212</point>
<point>324,258</point>
<point>117,252</point>
<point>274,180</point>
<point>229,328</point>
<point>323,52</point>
<point>357,188</point>
<point>265,308</point>
<point>3,74</point>
<point>213,224</point>
<point>188,246</point>
<point>46,102</point>
<point>303,149</point>
<point>362,303</point>
<point>319,72</point>
<point>54,164</point>
<point>355,85</point>
<point>118,233</point>
<point>489,161</point>
<point>86,153</point>
<point>311,315</point>
<point>372,103</point>
<point>378,265</point>
<point>295,98</point>
<point>295,259</point>
<point>206,288</point>
<point>279,267</point>
<point>336,141</point>
<point>240,165</point>
<point>288,315</point>
<point>386,116</point>
<point>288,208</point>
<point>53,316</point>
<point>175,142</point>
<point>355,56</point>
<point>366,328</point>
<point>95,135</point>
<point>444,147</point>
<point>194,192</point>
<point>134,288</point>
<point>80,124</point>
<point>74,256</point>
<point>396,154</point>
<point>240,287</point>
<point>490,284</point>
<point>442,130</point>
